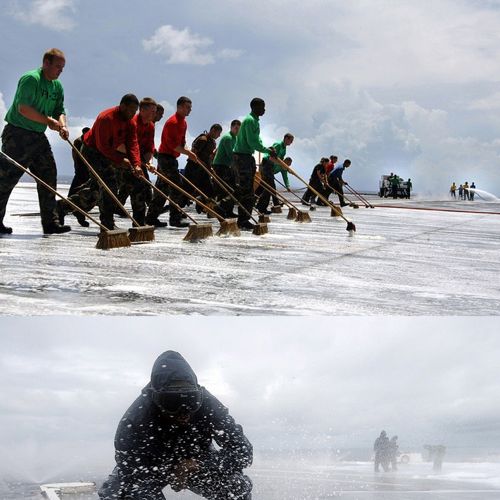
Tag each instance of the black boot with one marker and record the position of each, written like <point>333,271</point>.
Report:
<point>55,228</point>
<point>5,229</point>
<point>81,219</point>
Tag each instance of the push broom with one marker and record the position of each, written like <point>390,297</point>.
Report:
<point>137,234</point>
<point>350,225</point>
<point>293,212</point>
<point>196,230</point>
<point>107,238</point>
<point>260,227</point>
<point>229,227</point>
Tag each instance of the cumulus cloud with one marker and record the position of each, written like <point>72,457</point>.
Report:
<point>184,47</point>
<point>52,14</point>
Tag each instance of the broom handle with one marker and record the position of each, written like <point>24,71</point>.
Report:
<point>52,190</point>
<point>190,196</point>
<point>103,184</point>
<point>335,191</point>
<point>159,191</point>
<point>319,195</point>
<point>226,189</point>
<point>184,178</point>
<point>270,189</point>
<point>291,191</point>
<point>362,198</point>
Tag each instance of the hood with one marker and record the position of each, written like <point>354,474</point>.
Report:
<point>171,373</point>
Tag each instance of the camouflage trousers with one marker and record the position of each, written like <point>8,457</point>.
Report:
<point>169,167</point>
<point>244,172</point>
<point>32,150</point>
<point>92,193</point>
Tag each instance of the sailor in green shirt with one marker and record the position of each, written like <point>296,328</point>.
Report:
<point>267,173</point>
<point>247,142</point>
<point>38,104</point>
<point>222,166</point>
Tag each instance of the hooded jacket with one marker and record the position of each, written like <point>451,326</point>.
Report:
<point>148,439</point>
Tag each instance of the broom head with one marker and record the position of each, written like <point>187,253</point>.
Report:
<point>197,232</point>
<point>351,228</point>
<point>264,219</point>
<point>229,227</point>
<point>303,217</point>
<point>353,205</point>
<point>113,239</point>
<point>141,234</point>
<point>276,210</point>
<point>260,229</point>
<point>292,214</point>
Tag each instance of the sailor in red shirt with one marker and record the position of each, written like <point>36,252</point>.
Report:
<point>130,185</point>
<point>111,143</point>
<point>173,144</point>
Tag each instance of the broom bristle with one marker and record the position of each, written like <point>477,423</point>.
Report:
<point>229,227</point>
<point>351,227</point>
<point>303,217</point>
<point>354,205</point>
<point>292,214</point>
<point>264,219</point>
<point>260,229</point>
<point>276,210</point>
<point>198,232</point>
<point>141,234</point>
<point>113,239</point>
<point>336,212</point>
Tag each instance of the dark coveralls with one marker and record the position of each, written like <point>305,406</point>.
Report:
<point>336,182</point>
<point>203,146</point>
<point>150,444</point>
<point>267,175</point>
<point>381,449</point>
<point>315,182</point>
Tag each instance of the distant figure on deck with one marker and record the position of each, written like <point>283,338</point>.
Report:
<point>466,190</point>
<point>453,190</point>
<point>472,191</point>
<point>409,186</point>
<point>393,452</point>
<point>436,455</point>
<point>381,449</point>
<point>176,433</point>
<point>461,192</point>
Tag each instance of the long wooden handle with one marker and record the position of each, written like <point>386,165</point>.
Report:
<point>196,188</point>
<point>226,189</point>
<point>159,191</point>
<point>103,184</point>
<point>270,189</point>
<point>52,190</point>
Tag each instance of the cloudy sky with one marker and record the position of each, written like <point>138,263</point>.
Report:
<point>410,87</point>
<point>292,383</point>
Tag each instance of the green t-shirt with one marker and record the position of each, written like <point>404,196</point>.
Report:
<point>248,139</point>
<point>47,97</point>
<point>281,153</point>
<point>224,154</point>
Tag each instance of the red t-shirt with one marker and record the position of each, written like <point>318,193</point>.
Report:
<point>173,135</point>
<point>109,132</point>
<point>145,135</point>
<point>329,167</point>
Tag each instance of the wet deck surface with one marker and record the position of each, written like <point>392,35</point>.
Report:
<point>399,262</point>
